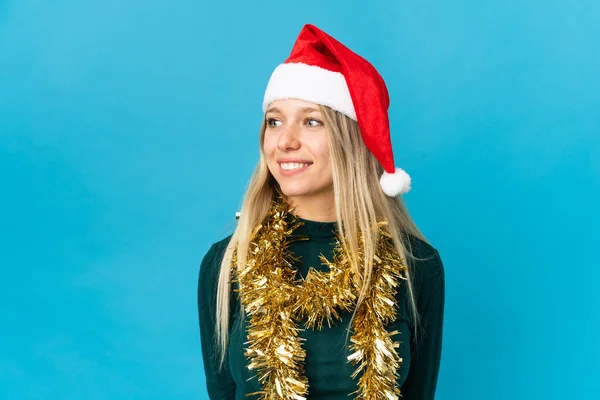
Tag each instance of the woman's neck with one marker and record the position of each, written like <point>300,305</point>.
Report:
<point>313,208</point>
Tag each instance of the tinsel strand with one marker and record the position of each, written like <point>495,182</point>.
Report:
<point>373,348</point>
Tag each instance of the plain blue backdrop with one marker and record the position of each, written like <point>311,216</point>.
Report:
<point>128,132</point>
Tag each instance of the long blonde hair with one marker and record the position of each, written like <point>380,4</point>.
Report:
<point>359,204</point>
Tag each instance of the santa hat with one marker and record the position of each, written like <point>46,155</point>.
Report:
<point>321,70</point>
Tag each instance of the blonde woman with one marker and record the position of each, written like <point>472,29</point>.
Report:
<point>326,289</point>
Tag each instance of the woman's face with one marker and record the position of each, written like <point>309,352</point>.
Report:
<point>296,149</point>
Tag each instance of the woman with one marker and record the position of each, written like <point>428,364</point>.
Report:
<point>326,288</point>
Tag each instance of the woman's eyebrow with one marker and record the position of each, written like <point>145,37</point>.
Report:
<point>273,110</point>
<point>308,109</point>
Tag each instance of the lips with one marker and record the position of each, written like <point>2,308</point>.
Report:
<point>293,166</point>
<point>293,160</point>
<point>288,169</point>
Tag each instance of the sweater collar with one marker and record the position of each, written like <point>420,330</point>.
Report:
<point>315,228</point>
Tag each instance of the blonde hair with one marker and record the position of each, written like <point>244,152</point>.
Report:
<point>359,204</point>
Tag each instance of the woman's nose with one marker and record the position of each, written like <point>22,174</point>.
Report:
<point>288,138</point>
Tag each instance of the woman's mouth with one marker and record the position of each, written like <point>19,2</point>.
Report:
<point>287,169</point>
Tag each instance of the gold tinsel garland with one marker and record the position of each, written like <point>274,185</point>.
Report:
<point>276,301</point>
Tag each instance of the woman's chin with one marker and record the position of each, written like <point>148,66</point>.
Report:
<point>296,190</point>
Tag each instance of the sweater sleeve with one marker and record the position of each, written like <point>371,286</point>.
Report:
<point>421,380</point>
<point>219,383</point>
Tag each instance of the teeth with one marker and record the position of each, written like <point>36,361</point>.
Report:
<point>293,166</point>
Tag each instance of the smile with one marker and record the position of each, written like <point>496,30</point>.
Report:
<point>293,166</point>
<point>288,169</point>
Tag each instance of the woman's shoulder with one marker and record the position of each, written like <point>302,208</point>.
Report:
<point>217,249</point>
<point>424,262</point>
<point>211,262</point>
<point>420,248</point>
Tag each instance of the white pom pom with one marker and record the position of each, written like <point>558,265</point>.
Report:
<point>396,183</point>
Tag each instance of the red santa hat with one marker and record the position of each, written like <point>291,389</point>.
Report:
<point>322,70</point>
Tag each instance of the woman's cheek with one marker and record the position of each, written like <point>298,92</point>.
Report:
<point>268,145</point>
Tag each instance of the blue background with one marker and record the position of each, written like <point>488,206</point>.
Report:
<point>128,132</point>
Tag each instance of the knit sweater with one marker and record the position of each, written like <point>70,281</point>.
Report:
<point>326,367</point>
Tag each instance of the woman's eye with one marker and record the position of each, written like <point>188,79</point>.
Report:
<point>273,122</point>
<point>314,122</point>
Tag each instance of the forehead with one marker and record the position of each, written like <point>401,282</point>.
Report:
<point>292,106</point>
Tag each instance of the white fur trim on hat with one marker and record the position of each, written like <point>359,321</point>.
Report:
<point>395,183</point>
<point>309,83</point>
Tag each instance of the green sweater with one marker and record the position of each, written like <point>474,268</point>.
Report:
<point>326,367</point>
